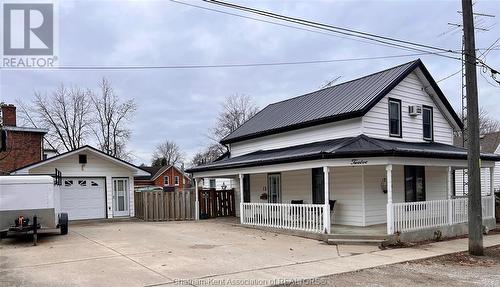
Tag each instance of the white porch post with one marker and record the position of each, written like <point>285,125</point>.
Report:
<point>492,189</point>
<point>326,208</point>
<point>390,216</point>
<point>241,197</point>
<point>196,202</point>
<point>450,195</point>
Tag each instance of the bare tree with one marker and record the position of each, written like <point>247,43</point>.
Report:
<point>65,113</point>
<point>487,124</point>
<point>208,155</point>
<point>167,153</point>
<point>236,110</point>
<point>112,116</point>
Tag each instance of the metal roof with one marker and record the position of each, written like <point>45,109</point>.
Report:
<point>343,101</point>
<point>360,146</point>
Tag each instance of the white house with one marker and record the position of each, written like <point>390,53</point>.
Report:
<point>490,143</point>
<point>94,184</point>
<point>375,152</point>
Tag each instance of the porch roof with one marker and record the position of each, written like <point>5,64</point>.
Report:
<point>359,146</point>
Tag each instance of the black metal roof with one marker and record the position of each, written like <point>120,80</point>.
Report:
<point>349,147</point>
<point>344,101</point>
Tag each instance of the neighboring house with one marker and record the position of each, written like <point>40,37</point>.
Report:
<point>165,176</point>
<point>48,153</point>
<point>489,143</point>
<point>94,184</point>
<point>218,183</point>
<point>378,150</point>
<point>24,144</point>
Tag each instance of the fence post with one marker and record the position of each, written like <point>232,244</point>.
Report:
<point>450,192</point>
<point>196,201</point>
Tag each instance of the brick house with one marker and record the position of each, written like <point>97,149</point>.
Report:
<point>164,176</point>
<point>24,144</point>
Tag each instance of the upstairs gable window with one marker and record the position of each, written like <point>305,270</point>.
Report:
<point>176,180</point>
<point>165,180</point>
<point>395,118</point>
<point>428,125</point>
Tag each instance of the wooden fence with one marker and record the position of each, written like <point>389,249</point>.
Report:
<point>165,206</point>
<point>216,203</point>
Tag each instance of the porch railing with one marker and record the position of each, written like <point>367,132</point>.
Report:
<point>305,217</point>
<point>413,216</point>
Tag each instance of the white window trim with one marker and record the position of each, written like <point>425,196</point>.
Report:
<point>167,181</point>
<point>431,123</point>
<point>176,180</point>
<point>400,104</point>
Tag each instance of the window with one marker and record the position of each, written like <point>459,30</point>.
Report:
<point>176,180</point>
<point>395,118</point>
<point>414,183</point>
<point>82,158</point>
<point>212,183</point>
<point>166,180</point>
<point>428,125</point>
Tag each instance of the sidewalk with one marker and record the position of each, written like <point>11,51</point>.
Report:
<point>345,263</point>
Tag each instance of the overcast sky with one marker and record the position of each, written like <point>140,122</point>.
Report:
<point>181,105</point>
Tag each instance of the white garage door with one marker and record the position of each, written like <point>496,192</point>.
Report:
<point>83,198</point>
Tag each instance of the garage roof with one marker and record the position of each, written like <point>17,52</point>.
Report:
<point>137,171</point>
<point>347,100</point>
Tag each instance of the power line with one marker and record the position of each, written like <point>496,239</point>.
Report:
<point>281,24</point>
<point>235,65</point>
<point>350,32</point>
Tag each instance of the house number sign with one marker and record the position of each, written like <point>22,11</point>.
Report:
<point>356,161</point>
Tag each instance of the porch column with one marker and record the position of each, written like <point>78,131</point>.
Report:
<point>450,195</point>
<point>241,197</point>
<point>492,181</point>
<point>326,208</point>
<point>492,189</point>
<point>390,215</point>
<point>197,201</point>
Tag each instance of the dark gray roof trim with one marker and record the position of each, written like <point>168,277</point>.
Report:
<point>360,146</point>
<point>347,100</point>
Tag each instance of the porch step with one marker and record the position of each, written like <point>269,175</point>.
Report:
<point>355,241</point>
<point>358,236</point>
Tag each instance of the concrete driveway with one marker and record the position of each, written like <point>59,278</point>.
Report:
<point>135,253</point>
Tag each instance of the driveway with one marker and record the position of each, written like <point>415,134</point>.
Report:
<point>135,253</point>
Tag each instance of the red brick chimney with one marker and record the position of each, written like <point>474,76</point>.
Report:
<point>9,115</point>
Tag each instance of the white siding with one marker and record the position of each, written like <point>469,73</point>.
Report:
<point>485,180</point>
<point>347,128</point>
<point>295,185</point>
<point>346,189</point>
<point>95,167</point>
<point>219,182</point>
<point>411,92</point>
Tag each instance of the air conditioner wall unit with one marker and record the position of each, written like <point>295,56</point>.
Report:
<point>414,110</point>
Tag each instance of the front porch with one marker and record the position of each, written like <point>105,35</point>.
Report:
<point>368,197</point>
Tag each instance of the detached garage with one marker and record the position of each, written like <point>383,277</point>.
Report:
<point>94,184</point>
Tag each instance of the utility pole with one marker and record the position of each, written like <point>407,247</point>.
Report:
<point>473,157</point>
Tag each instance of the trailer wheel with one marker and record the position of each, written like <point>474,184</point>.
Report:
<point>63,223</point>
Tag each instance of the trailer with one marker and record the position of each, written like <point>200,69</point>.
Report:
<point>29,203</point>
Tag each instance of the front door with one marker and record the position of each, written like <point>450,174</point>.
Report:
<point>120,197</point>
<point>274,187</point>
